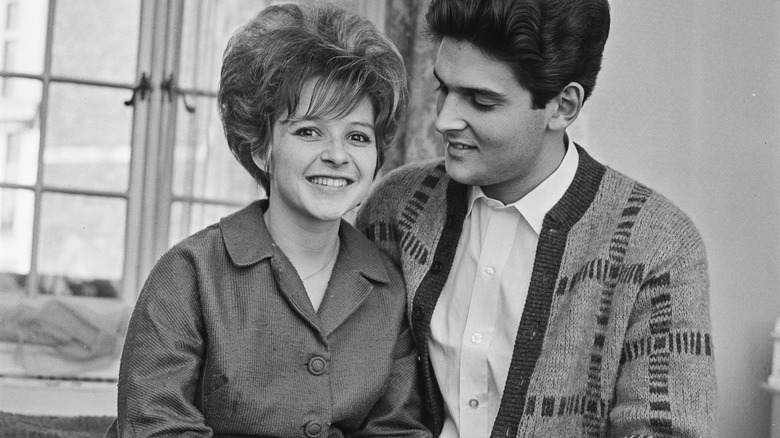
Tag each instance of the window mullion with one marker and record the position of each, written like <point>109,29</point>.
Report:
<point>167,128</point>
<point>33,279</point>
<point>134,233</point>
<point>143,191</point>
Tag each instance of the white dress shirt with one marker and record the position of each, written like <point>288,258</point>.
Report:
<point>474,324</point>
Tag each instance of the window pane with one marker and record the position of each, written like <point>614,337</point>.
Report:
<point>96,39</point>
<point>82,245</point>
<point>188,218</point>
<point>23,36</point>
<point>207,26</point>
<point>204,166</point>
<point>16,222</point>
<point>19,132</point>
<point>12,15</point>
<point>88,138</point>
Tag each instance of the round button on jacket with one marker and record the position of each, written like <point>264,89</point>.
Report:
<point>317,365</point>
<point>313,428</point>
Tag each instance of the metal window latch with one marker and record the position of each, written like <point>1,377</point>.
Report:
<point>169,87</point>
<point>144,86</point>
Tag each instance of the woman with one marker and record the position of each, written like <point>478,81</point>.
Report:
<point>282,320</point>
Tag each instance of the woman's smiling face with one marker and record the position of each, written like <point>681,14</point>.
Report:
<point>321,168</point>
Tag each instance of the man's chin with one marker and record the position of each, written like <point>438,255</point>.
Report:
<point>462,172</point>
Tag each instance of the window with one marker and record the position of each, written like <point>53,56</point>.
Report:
<point>11,15</point>
<point>111,147</point>
<point>7,203</point>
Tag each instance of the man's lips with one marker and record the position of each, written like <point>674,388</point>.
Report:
<point>459,145</point>
<point>456,146</point>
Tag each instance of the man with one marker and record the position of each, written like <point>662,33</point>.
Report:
<point>550,295</point>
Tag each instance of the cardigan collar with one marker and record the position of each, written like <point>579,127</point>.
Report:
<point>536,203</point>
<point>248,241</point>
<point>571,207</point>
<point>580,194</point>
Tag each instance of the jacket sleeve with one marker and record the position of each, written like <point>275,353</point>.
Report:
<point>162,356</point>
<point>666,380</point>
<point>398,412</point>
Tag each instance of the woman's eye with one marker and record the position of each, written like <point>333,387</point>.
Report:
<point>361,138</point>
<point>305,132</point>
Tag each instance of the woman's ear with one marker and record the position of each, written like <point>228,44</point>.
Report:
<point>263,159</point>
<point>567,106</point>
<point>261,163</point>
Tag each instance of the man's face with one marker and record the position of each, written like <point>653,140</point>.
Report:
<point>492,136</point>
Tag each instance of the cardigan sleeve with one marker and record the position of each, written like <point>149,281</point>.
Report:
<point>376,215</point>
<point>666,381</point>
<point>162,356</point>
<point>398,412</point>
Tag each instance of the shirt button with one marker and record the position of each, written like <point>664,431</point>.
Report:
<point>476,338</point>
<point>313,429</point>
<point>473,403</point>
<point>317,365</point>
<point>489,271</point>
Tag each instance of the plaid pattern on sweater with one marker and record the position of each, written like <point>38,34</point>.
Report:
<point>614,340</point>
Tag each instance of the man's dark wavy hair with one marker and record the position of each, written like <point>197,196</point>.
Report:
<point>547,43</point>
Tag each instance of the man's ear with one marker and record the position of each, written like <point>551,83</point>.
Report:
<point>569,103</point>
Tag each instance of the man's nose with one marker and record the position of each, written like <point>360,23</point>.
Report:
<point>450,114</point>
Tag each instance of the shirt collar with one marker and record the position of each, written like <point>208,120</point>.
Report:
<point>535,205</point>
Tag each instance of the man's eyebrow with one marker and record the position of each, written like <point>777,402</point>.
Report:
<point>485,92</point>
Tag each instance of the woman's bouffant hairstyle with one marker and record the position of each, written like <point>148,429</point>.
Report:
<point>267,62</point>
<point>547,43</point>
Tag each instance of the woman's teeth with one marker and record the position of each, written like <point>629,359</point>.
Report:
<point>330,182</point>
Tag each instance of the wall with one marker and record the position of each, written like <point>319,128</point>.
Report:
<point>688,102</point>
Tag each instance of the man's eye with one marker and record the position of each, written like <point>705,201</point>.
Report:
<point>482,106</point>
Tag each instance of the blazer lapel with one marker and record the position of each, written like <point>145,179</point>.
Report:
<point>357,267</point>
<point>248,241</point>
<point>291,287</point>
<point>347,290</point>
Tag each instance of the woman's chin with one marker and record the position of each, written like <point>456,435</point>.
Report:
<point>330,213</point>
<point>331,208</point>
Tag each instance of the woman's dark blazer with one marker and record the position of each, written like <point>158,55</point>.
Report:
<point>225,341</point>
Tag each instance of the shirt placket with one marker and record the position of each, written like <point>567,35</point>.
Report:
<point>478,334</point>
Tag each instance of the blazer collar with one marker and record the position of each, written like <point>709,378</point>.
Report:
<point>246,238</point>
<point>361,254</point>
<point>248,241</point>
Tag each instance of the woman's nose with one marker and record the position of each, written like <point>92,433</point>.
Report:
<point>335,152</point>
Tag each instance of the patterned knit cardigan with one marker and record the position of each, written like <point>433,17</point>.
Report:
<point>614,340</point>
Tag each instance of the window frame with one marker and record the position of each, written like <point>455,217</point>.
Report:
<point>149,196</point>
